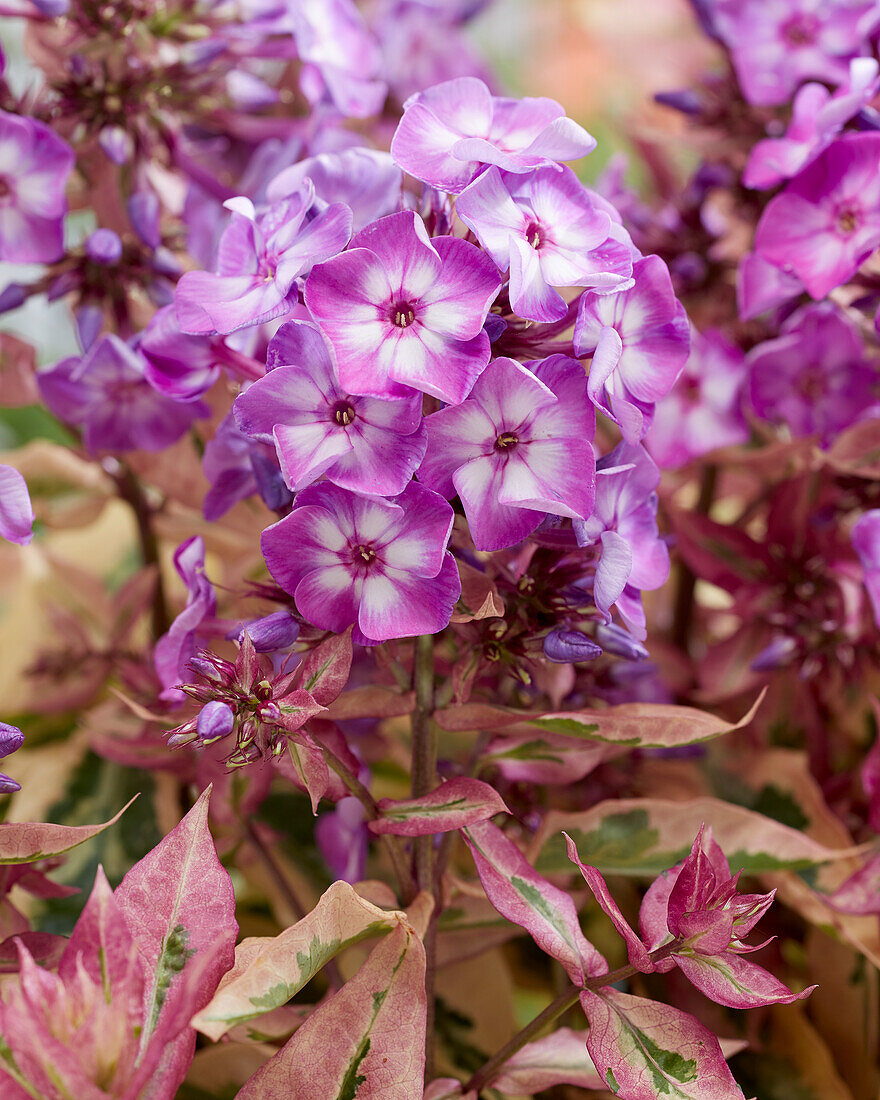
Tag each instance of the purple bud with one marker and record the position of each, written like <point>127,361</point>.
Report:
<point>11,739</point>
<point>778,653</point>
<point>165,263</point>
<point>143,213</point>
<point>12,297</point>
<point>614,639</point>
<point>215,720</point>
<point>89,321</point>
<point>116,143</point>
<point>271,633</point>
<point>104,246</point>
<point>564,646</point>
<point>269,713</point>
<point>684,100</point>
<point>270,482</point>
<point>64,284</point>
<point>7,785</point>
<point>495,326</point>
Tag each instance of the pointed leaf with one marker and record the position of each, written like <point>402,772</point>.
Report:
<point>25,842</point>
<point>643,836</point>
<point>560,1058</point>
<point>371,702</point>
<point>644,725</point>
<point>644,1050</point>
<point>479,596</point>
<point>326,668</point>
<point>731,980</point>
<point>860,893</point>
<point>366,1040</point>
<point>519,893</point>
<point>179,904</point>
<point>268,971</point>
<point>545,758</point>
<point>452,805</point>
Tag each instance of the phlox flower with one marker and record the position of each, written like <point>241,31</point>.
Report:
<point>704,408</point>
<point>34,167</point>
<point>260,256</point>
<point>450,132</point>
<point>174,649</point>
<point>518,448</point>
<point>380,564</point>
<point>545,227</point>
<point>866,542</point>
<point>817,118</point>
<point>761,286</point>
<point>639,340</point>
<point>402,310</point>
<point>365,444</point>
<point>777,44</point>
<point>813,377</point>
<point>106,393</point>
<point>633,557</point>
<point>238,467</point>
<point>16,513</point>
<point>826,222</point>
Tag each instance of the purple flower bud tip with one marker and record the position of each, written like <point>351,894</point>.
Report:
<point>215,720</point>
<point>271,633</point>
<point>104,246</point>
<point>8,786</point>
<point>683,100</point>
<point>116,143</point>
<point>614,639</point>
<point>52,7</point>
<point>778,653</point>
<point>270,713</point>
<point>12,297</point>
<point>11,739</point>
<point>565,646</point>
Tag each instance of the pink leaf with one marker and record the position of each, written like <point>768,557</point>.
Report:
<point>268,971</point>
<point>326,668</point>
<point>521,895</point>
<point>639,956</point>
<point>643,1050</point>
<point>452,805</point>
<point>369,1038</point>
<point>860,893</point>
<point>309,768</point>
<point>729,979</point>
<point>545,757</point>
<point>560,1058</point>
<point>27,841</point>
<point>179,904</point>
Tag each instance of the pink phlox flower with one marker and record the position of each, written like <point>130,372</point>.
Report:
<point>817,117</point>
<point>449,133</point>
<point>238,467</point>
<point>639,340</point>
<point>16,511</point>
<point>826,222</point>
<point>546,228</point>
<point>260,257</point>
<point>379,564</point>
<point>516,449</point>
<point>34,168</point>
<point>175,648</point>
<point>761,286</point>
<point>365,444</point>
<point>402,310</point>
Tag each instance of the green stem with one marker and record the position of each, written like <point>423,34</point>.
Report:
<point>424,767</point>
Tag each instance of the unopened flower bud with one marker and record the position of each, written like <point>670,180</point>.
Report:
<point>269,713</point>
<point>12,297</point>
<point>52,7</point>
<point>11,739</point>
<point>116,143</point>
<point>565,646</point>
<point>614,639</point>
<point>215,721</point>
<point>104,246</point>
<point>143,213</point>
<point>273,632</point>
<point>778,653</point>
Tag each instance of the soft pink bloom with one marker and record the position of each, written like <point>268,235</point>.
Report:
<point>16,513</point>
<point>761,286</point>
<point>826,223</point>
<point>401,310</point>
<point>365,444</point>
<point>547,229</point>
<point>516,449</point>
<point>450,132</point>
<point>379,564</point>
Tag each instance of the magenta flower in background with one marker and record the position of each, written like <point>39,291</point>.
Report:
<point>760,286</point>
<point>866,542</point>
<point>178,365</point>
<point>778,44</point>
<point>704,408</point>
<point>11,740</point>
<point>639,341</point>
<point>175,648</point>
<point>365,444</point>
<point>450,132</point>
<point>402,310</point>
<point>341,59</point>
<point>546,228</point>
<point>633,558</point>
<point>259,258</point>
<point>817,118</point>
<point>826,223</point>
<point>814,377</point>
<point>380,564</point>
<point>106,393</point>
<point>16,512</point>
<point>34,168</point>
<point>342,838</point>
<point>366,180</point>
<point>238,467</point>
<point>518,448</point>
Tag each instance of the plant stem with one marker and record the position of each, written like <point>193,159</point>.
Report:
<point>131,491</point>
<point>489,1070</point>
<point>424,766</point>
